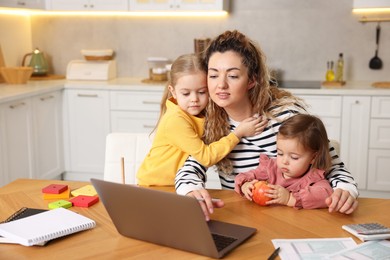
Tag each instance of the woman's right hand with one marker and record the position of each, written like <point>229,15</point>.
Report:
<point>206,202</point>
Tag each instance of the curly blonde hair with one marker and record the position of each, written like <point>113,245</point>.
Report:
<point>262,96</point>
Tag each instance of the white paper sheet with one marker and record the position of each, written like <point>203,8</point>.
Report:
<point>373,250</point>
<point>314,248</point>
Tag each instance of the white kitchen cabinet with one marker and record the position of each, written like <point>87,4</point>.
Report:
<point>328,108</point>
<point>31,138</point>
<point>179,5</point>
<point>379,145</point>
<point>16,140</point>
<point>354,136</point>
<point>134,111</point>
<point>89,5</point>
<point>48,137</point>
<point>30,4</point>
<point>87,120</point>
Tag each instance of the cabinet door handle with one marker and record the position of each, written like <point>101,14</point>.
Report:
<point>150,102</point>
<point>17,105</point>
<point>46,98</point>
<point>148,126</point>
<point>87,95</point>
<point>357,102</point>
<point>21,3</point>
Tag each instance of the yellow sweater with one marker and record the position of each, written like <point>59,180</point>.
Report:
<point>179,135</point>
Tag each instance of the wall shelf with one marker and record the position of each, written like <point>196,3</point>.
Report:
<point>373,20</point>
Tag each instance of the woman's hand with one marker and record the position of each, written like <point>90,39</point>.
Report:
<point>341,201</point>
<point>205,201</point>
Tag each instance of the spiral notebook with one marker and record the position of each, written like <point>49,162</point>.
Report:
<point>45,226</point>
<point>19,214</point>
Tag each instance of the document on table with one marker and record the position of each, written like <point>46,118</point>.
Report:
<point>375,250</point>
<point>314,248</point>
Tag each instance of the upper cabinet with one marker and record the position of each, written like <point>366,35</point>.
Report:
<point>88,5</point>
<point>120,5</point>
<point>371,4</point>
<point>32,4</point>
<point>179,5</point>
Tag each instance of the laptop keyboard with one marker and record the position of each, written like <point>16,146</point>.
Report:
<point>222,241</point>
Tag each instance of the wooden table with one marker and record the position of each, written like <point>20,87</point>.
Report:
<point>104,242</point>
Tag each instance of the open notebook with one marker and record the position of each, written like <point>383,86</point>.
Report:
<point>48,225</point>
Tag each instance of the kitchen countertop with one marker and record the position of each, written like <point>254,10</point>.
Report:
<point>12,92</point>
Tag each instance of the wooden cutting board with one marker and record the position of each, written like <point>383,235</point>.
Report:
<point>47,77</point>
<point>383,84</point>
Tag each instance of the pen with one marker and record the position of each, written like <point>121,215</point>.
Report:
<point>213,199</point>
<point>274,254</point>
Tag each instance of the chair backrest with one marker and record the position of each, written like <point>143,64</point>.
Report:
<point>133,147</point>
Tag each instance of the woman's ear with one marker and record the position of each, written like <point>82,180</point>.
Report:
<point>172,90</point>
<point>251,84</point>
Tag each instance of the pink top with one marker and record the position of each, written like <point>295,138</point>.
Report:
<point>310,190</point>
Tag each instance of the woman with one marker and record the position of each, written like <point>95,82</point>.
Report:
<point>238,83</point>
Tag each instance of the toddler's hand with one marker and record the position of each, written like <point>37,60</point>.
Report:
<point>278,195</point>
<point>247,189</point>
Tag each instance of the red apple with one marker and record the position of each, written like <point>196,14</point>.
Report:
<point>259,191</point>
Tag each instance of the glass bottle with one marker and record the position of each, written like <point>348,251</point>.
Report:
<point>329,73</point>
<point>340,68</point>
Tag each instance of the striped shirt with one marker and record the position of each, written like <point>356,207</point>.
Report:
<point>245,157</point>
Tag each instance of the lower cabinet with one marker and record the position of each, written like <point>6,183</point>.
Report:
<point>331,116</point>
<point>354,136</point>
<point>87,121</point>
<point>16,140</point>
<point>134,111</point>
<point>378,177</point>
<point>31,138</point>
<point>48,135</point>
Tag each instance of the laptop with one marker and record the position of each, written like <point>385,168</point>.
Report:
<point>168,219</point>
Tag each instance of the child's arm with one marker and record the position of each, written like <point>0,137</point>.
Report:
<point>180,132</point>
<point>251,126</point>
<point>311,197</point>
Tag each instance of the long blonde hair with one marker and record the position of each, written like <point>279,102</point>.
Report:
<point>262,96</point>
<point>184,65</point>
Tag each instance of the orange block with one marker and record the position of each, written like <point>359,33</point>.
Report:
<point>52,196</point>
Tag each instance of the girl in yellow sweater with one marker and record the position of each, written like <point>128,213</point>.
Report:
<point>180,127</point>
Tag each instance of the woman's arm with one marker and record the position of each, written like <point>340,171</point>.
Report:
<point>339,176</point>
<point>190,181</point>
<point>192,176</point>
<point>345,192</point>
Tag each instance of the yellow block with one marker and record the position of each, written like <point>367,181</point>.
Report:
<point>87,190</point>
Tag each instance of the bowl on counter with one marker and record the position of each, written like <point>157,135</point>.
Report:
<point>96,55</point>
<point>16,75</point>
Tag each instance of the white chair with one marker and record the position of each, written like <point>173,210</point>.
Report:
<point>133,147</point>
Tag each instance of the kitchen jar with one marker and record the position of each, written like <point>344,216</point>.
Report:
<point>157,68</point>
